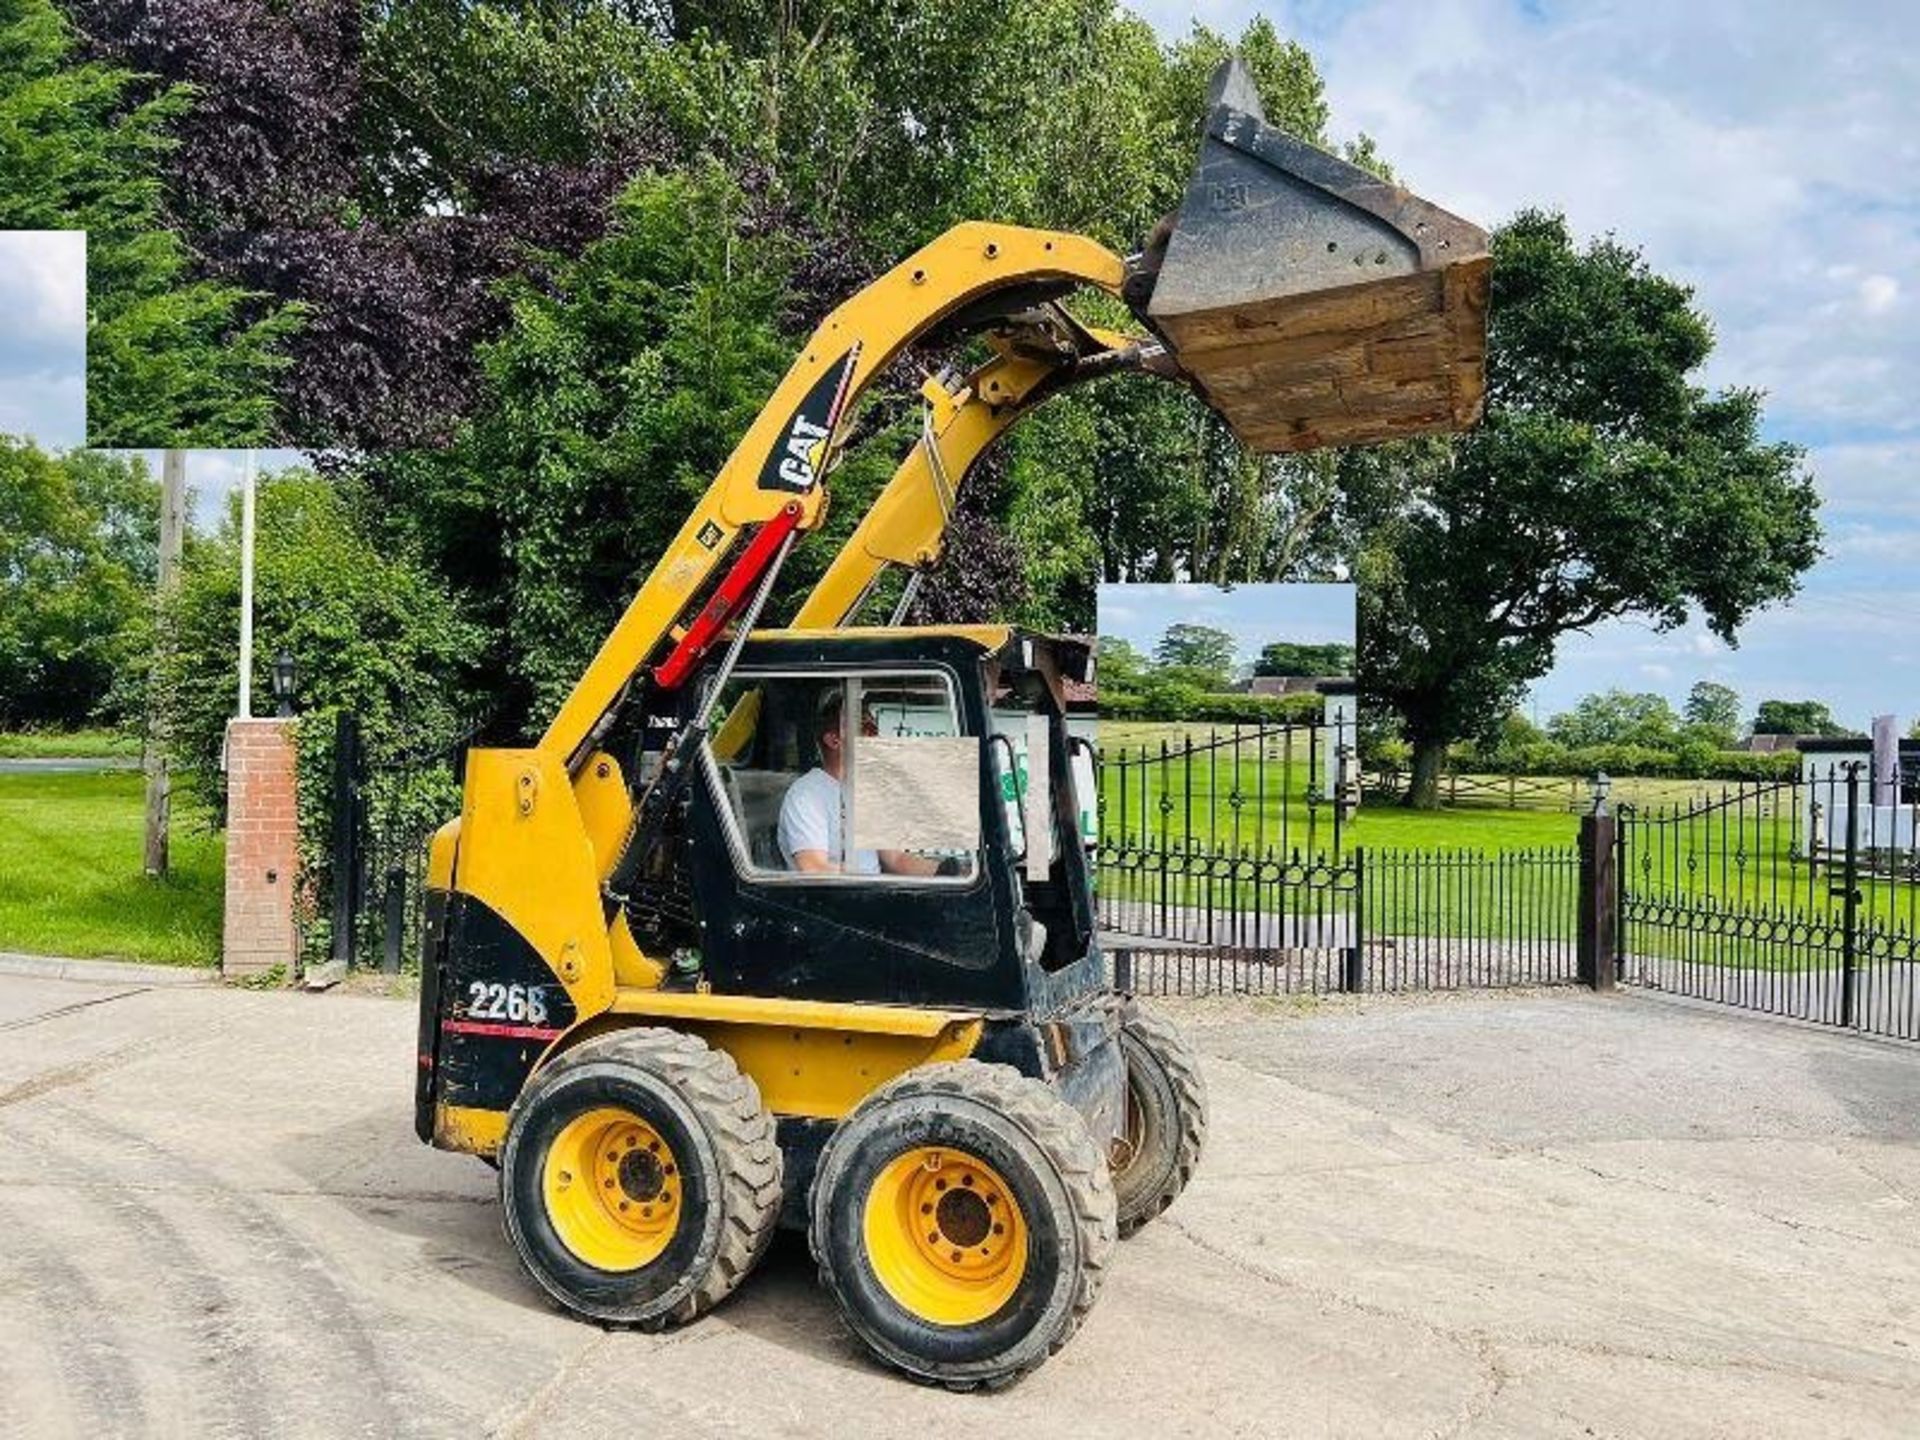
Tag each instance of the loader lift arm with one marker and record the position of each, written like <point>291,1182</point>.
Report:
<point>784,457</point>
<point>1043,355</point>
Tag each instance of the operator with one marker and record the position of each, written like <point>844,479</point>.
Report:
<point>810,815</point>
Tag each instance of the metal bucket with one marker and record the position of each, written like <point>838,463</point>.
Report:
<point>1310,302</point>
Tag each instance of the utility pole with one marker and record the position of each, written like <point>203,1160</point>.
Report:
<point>246,589</point>
<point>173,521</point>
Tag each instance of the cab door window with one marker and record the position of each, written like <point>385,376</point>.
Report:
<point>865,777</point>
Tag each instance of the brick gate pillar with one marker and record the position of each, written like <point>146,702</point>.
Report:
<point>262,848</point>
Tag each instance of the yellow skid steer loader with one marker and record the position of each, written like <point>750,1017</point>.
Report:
<point>796,924</point>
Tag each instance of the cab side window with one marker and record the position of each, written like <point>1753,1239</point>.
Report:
<point>847,777</point>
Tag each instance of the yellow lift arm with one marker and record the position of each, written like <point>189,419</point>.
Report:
<point>906,524</point>
<point>775,477</point>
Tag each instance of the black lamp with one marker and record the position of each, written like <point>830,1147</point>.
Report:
<point>284,677</point>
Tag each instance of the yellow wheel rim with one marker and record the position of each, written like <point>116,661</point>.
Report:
<point>613,1189</point>
<point>945,1236</point>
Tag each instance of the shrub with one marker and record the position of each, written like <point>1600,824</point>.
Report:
<point>1177,702</point>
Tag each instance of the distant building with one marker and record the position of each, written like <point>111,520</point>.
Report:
<point>1774,744</point>
<point>1292,684</point>
<point>1889,804</point>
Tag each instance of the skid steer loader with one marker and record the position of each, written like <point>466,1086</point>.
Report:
<point>795,924</point>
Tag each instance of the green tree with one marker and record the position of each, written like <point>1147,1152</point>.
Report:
<point>1796,717</point>
<point>1617,717</point>
<point>171,360</point>
<point>1287,657</point>
<point>1120,666</point>
<point>371,629</point>
<point>1204,653</point>
<point>77,555</point>
<point>1604,481</point>
<point>617,392</point>
<point>1714,710</point>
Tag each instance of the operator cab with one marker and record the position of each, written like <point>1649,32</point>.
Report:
<point>889,814</point>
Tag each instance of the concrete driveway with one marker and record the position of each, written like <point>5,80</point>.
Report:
<point>1489,1216</point>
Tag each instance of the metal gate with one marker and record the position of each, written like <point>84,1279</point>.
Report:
<point>1798,898</point>
<point>1187,919</point>
<point>387,802</point>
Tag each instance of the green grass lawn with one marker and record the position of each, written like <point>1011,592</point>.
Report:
<point>71,881</point>
<point>66,744</point>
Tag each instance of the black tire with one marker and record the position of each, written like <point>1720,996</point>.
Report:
<point>1041,1151</point>
<point>710,1117</point>
<point>1166,1118</point>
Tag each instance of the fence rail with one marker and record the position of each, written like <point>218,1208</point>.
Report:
<point>1223,868</point>
<point>1268,789</point>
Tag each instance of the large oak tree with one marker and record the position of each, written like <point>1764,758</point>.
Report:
<point>1604,481</point>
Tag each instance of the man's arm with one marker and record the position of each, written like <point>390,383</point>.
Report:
<point>905,862</point>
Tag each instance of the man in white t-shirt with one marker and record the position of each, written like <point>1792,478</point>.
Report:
<point>811,818</point>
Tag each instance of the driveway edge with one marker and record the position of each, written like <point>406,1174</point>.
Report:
<point>57,967</point>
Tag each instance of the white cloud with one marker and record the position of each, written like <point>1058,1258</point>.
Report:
<point>1762,150</point>
<point>1877,293</point>
<point>43,345</point>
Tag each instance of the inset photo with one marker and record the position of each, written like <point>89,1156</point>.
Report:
<point>1227,715</point>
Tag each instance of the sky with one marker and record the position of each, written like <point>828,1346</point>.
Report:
<point>1764,151</point>
<point>1255,615</point>
<point>1767,152</point>
<point>43,344</point>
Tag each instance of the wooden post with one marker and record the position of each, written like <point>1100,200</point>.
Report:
<point>1599,932</point>
<point>173,523</point>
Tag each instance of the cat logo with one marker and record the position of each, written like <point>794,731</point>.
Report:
<point>798,462</point>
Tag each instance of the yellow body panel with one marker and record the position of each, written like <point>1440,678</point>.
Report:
<point>470,1131</point>
<point>632,967</point>
<point>524,853</point>
<point>812,1058</point>
<point>440,855</point>
<point>606,808</point>
<point>821,1074</point>
<point>797,1014</point>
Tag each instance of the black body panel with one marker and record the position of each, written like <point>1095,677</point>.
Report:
<point>483,1058</point>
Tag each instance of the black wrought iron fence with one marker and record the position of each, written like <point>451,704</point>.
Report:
<point>1798,898</point>
<point>1265,790</point>
<point>1194,922</point>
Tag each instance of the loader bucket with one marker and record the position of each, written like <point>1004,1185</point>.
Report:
<point>1310,302</point>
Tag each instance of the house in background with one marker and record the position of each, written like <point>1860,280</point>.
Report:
<point>1887,795</point>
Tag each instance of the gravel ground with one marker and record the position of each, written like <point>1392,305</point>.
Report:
<point>1526,1214</point>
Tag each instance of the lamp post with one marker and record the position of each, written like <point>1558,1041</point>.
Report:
<point>285,676</point>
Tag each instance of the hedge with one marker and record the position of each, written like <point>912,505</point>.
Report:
<point>1632,760</point>
<point>1227,709</point>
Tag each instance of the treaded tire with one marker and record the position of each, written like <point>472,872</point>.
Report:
<point>1057,1176</point>
<point>1167,1100</point>
<point>710,1116</point>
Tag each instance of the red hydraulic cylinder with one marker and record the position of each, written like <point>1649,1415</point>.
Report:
<point>727,598</point>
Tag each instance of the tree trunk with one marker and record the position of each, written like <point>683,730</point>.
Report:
<point>1429,759</point>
